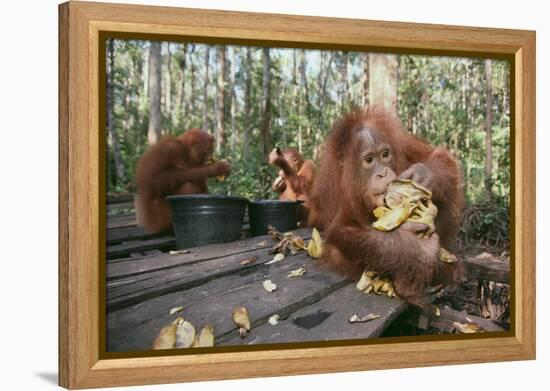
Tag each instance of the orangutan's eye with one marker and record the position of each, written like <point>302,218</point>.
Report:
<point>369,159</point>
<point>386,153</point>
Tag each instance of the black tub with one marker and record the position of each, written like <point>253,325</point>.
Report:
<point>200,219</point>
<point>282,215</point>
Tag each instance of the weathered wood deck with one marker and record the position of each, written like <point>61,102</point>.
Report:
<point>144,282</point>
<point>210,281</point>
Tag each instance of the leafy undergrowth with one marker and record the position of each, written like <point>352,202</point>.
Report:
<point>485,226</point>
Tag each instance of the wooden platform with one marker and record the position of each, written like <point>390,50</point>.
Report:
<point>144,282</point>
<point>210,280</point>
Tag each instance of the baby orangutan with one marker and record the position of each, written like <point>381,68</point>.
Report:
<point>295,180</point>
<point>174,166</point>
<point>364,153</point>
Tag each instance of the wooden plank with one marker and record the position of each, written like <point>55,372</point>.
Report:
<point>448,316</point>
<point>121,215</point>
<point>153,253</point>
<point>134,328</point>
<point>125,249</point>
<point>129,267</point>
<point>114,198</point>
<point>328,320</point>
<point>121,222</point>
<point>127,291</point>
<point>120,205</point>
<point>488,268</point>
<point>119,235</point>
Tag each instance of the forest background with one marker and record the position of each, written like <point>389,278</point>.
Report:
<point>254,98</point>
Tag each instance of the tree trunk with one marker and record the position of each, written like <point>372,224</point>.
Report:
<point>233,108</point>
<point>220,111</point>
<point>365,81</point>
<point>323,90</point>
<point>154,128</point>
<point>191,102</point>
<point>297,96</point>
<point>383,81</point>
<point>168,84</point>
<point>266,104</point>
<point>144,101</point>
<point>304,89</point>
<point>180,99</point>
<point>294,67</point>
<point>320,75</point>
<point>111,131</point>
<point>488,129</point>
<point>205,90</point>
<point>344,86</point>
<point>247,98</point>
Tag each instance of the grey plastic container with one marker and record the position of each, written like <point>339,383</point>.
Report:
<point>200,219</point>
<point>283,215</point>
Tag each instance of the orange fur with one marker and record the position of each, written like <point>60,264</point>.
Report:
<point>341,210</point>
<point>174,165</point>
<point>299,177</point>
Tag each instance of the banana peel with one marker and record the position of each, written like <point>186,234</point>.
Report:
<point>406,201</point>
<point>468,328</point>
<point>166,338</point>
<point>219,178</point>
<point>315,246</point>
<point>405,190</point>
<point>447,256</point>
<point>185,334</point>
<point>370,282</point>
<point>206,337</point>
<point>393,218</point>
<point>241,319</point>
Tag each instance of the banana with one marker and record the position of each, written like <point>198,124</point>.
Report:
<point>240,317</point>
<point>364,281</point>
<point>166,338</point>
<point>377,285</point>
<point>185,334</point>
<point>206,337</point>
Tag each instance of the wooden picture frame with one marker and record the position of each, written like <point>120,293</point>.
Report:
<point>82,25</point>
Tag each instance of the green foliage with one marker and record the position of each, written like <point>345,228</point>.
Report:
<point>440,99</point>
<point>486,224</point>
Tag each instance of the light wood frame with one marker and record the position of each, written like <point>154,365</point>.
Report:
<point>81,226</point>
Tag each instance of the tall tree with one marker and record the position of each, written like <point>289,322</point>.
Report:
<point>344,83</point>
<point>154,129</point>
<point>180,97</point>
<point>323,89</point>
<point>303,80</point>
<point>320,76</point>
<point>191,102</point>
<point>111,130</point>
<point>168,83</point>
<point>304,90</point>
<point>383,81</point>
<point>297,97</point>
<point>233,108</point>
<point>247,102</point>
<point>304,98</point>
<point>220,101</point>
<point>205,89</point>
<point>488,129</point>
<point>265,129</point>
<point>365,80</point>
<point>143,103</point>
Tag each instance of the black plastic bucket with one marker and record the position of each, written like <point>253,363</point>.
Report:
<point>200,219</point>
<point>283,215</point>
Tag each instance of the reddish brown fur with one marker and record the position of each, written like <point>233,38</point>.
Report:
<point>174,165</point>
<point>299,177</point>
<point>341,210</point>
